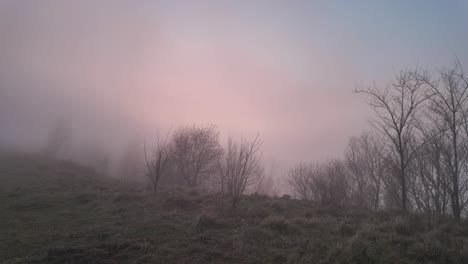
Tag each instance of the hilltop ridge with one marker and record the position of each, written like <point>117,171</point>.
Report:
<point>60,212</point>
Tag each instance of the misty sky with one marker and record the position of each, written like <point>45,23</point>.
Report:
<point>120,70</point>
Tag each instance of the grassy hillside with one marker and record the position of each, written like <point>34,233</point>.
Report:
<point>59,212</point>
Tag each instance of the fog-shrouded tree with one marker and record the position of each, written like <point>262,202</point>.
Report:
<point>93,155</point>
<point>269,185</point>
<point>195,151</point>
<point>398,108</point>
<point>366,160</point>
<point>131,165</point>
<point>239,168</point>
<point>337,185</point>
<point>299,180</point>
<point>58,138</point>
<point>428,187</point>
<point>158,160</point>
<point>326,183</point>
<point>449,105</point>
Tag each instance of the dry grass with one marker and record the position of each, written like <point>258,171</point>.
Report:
<point>58,212</point>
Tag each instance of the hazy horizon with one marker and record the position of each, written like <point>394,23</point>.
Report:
<point>119,71</point>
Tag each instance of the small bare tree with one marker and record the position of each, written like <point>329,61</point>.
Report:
<point>356,163</point>
<point>325,183</point>
<point>160,161</point>
<point>239,168</point>
<point>366,163</point>
<point>196,149</point>
<point>299,180</point>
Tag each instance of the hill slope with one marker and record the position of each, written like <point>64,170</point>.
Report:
<point>59,212</point>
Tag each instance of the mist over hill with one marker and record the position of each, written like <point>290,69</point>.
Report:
<point>219,131</point>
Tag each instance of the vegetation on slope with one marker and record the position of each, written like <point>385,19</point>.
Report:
<point>59,212</point>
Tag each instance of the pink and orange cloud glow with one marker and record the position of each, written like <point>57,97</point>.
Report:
<point>123,70</point>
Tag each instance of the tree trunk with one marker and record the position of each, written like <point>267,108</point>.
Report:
<point>155,188</point>
<point>438,184</point>
<point>404,191</point>
<point>455,198</point>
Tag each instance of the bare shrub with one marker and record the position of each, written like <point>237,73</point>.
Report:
<point>277,223</point>
<point>207,220</point>
<point>325,183</point>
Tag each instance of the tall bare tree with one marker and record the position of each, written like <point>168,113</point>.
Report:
<point>398,108</point>
<point>239,168</point>
<point>196,150</point>
<point>449,104</point>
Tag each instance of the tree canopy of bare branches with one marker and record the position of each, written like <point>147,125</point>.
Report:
<point>159,161</point>
<point>365,158</point>
<point>325,183</point>
<point>239,168</point>
<point>196,150</point>
<point>417,160</point>
<point>299,180</point>
<point>398,108</point>
<point>449,105</point>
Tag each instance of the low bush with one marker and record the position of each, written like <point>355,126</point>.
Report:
<point>207,220</point>
<point>276,223</point>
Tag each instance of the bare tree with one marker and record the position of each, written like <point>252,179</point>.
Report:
<point>356,162</point>
<point>196,150</point>
<point>325,183</point>
<point>159,162</point>
<point>299,180</point>
<point>429,186</point>
<point>398,109</point>
<point>365,158</point>
<point>449,104</point>
<point>333,186</point>
<point>239,168</point>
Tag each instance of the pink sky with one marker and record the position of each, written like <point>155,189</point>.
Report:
<point>122,70</point>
